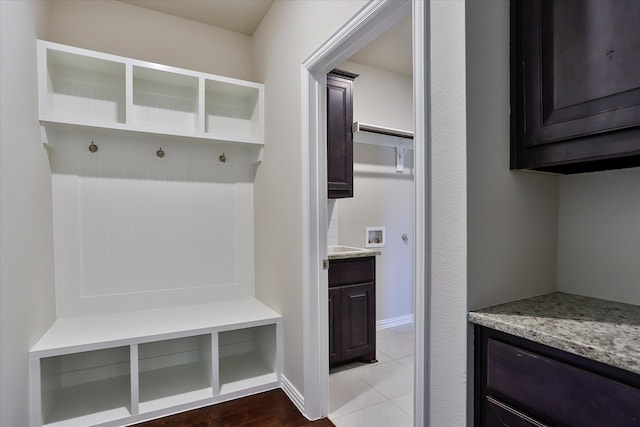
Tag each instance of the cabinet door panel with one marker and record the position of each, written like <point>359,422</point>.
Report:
<point>334,326</point>
<point>339,137</point>
<point>358,320</point>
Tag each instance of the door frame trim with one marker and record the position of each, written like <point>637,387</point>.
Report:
<point>376,17</point>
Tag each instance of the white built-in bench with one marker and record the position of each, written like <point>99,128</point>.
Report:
<point>124,368</point>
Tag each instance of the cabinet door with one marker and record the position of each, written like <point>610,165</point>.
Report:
<point>339,135</point>
<point>358,321</point>
<point>334,326</point>
<point>575,85</point>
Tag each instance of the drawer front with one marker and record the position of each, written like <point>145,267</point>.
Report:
<point>350,271</point>
<point>559,393</point>
<point>497,414</point>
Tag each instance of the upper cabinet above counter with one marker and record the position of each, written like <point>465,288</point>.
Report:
<point>86,88</point>
<point>575,85</point>
<point>340,134</point>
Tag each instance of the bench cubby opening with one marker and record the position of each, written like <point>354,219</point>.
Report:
<point>173,372</point>
<point>87,387</point>
<point>247,357</point>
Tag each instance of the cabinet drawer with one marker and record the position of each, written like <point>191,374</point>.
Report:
<point>559,393</point>
<point>351,271</point>
<point>497,414</point>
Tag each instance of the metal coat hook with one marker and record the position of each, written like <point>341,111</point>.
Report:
<point>160,153</point>
<point>93,147</point>
<point>223,158</point>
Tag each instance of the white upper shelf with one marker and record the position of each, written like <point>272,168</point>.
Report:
<point>400,140</point>
<point>379,135</point>
<point>87,88</point>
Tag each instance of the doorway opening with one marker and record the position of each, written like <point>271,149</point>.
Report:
<point>372,21</point>
<point>373,315</point>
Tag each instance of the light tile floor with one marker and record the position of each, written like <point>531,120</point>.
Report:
<point>378,394</point>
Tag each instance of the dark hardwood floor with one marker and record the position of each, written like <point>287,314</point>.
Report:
<point>269,409</point>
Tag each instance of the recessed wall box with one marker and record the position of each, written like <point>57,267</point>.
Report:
<point>374,237</point>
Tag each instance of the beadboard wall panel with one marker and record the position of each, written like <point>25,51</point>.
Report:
<point>135,231</point>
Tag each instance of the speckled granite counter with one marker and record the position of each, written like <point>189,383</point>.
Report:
<point>605,331</point>
<point>343,252</point>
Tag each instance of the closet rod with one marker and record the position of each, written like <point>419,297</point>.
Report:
<point>398,133</point>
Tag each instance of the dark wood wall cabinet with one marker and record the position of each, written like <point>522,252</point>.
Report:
<point>352,310</point>
<point>522,383</point>
<point>575,85</point>
<point>340,134</point>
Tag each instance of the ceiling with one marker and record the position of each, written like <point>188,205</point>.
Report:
<point>392,51</point>
<point>241,16</point>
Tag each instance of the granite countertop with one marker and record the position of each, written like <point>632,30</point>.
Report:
<point>605,331</point>
<point>343,252</point>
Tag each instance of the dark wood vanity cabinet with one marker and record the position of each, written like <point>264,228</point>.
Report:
<point>340,134</point>
<point>352,310</point>
<point>522,383</point>
<point>575,85</point>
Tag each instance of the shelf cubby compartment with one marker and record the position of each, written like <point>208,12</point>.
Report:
<point>81,89</point>
<point>164,101</point>
<point>233,111</point>
<point>174,372</point>
<point>86,388</point>
<point>247,358</point>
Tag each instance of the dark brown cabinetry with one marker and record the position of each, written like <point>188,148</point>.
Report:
<point>575,85</point>
<point>339,134</point>
<point>352,310</point>
<point>522,383</point>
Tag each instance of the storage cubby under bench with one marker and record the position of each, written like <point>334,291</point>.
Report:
<point>123,368</point>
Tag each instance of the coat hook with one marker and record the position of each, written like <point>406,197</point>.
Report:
<point>223,158</point>
<point>93,147</point>
<point>160,153</point>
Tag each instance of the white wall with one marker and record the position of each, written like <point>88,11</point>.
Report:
<point>599,235</point>
<point>381,97</point>
<point>290,32</point>
<point>126,30</point>
<point>512,215</point>
<point>446,265</point>
<point>27,306</point>
<point>382,197</point>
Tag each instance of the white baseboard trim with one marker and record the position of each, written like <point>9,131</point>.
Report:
<point>292,393</point>
<point>394,321</point>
